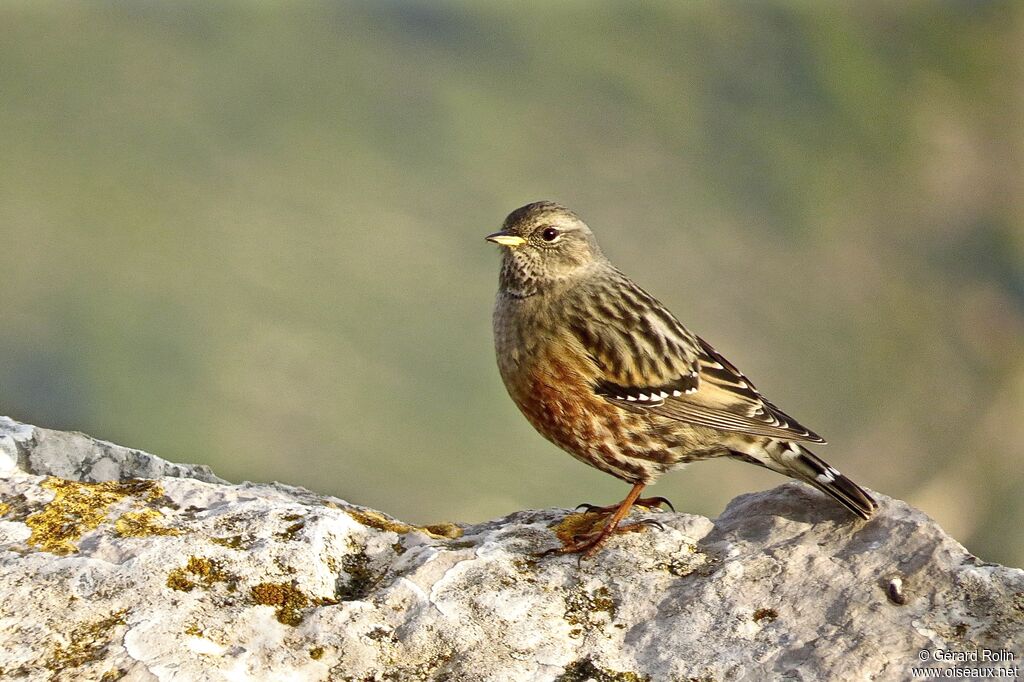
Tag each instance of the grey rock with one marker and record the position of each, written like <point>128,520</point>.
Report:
<point>141,569</point>
<point>78,457</point>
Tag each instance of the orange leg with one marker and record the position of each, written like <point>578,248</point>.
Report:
<point>590,544</point>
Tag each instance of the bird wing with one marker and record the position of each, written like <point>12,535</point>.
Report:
<point>642,354</point>
<point>646,360</point>
<point>727,400</point>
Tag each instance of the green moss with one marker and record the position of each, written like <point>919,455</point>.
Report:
<point>286,599</point>
<point>585,669</point>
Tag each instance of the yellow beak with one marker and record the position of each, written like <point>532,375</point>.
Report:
<point>505,239</point>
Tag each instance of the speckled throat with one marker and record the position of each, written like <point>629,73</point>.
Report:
<point>519,274</point>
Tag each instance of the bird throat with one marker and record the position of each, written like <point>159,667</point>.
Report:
<point>518,277</point>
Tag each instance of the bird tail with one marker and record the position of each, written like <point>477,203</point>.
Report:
<point>800,463</point>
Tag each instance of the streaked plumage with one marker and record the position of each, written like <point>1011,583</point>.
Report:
<point>602,369</point>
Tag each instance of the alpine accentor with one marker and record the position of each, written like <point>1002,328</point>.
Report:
<point>604,371</point>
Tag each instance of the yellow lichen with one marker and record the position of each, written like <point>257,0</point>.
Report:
<point>4,508</point>
<point>232,542</point>
<point>198,570</point>
<point>583,608</point>
<point>575,526</point>
<point>291,531</point>
<point>207,569</point>
<point>374,519</point>
<point>78,508</point>
<point>142,524</point>
<point>602,601</point>
<point>178,579</point>
<point>88,642</point>
<point>585,669</point>
<point>445,530</point>
<point>286,599</point>
<point>362,578</point>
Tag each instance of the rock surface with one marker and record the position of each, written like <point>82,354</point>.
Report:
<point>115,564</point>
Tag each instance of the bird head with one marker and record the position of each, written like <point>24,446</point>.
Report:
<point>544,243</point>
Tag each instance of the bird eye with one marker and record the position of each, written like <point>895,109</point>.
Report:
<point>549,234</point>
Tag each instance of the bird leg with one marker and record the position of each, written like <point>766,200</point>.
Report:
<point>590,543</point>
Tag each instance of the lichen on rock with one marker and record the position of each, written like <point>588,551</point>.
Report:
<point>77,508</point>
<point>287,600</point>
<point>162,574</point>
<point>88,642</point>
<point>200,572</point>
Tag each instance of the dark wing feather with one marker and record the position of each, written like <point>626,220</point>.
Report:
<point>646,360</point>
<point>727,400</point>
<point>642,353</point>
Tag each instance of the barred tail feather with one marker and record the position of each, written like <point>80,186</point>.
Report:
<point>796,461</point>
<point>816,471</point>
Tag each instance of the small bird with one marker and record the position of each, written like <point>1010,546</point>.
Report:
<point>604,371</point>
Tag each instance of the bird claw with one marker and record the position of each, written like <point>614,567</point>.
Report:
<point>588,545</point>
<point>653,523</point>
<point>649,502</point>
<point>585,549</point>
<point>655,502</point>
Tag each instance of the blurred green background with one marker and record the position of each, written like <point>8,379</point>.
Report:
<point>250,235</point>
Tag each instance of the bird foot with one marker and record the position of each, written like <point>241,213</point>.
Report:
<point>649,502</point>
<point>586,545</point>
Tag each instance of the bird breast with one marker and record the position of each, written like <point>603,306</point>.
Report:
<point>545,371</point>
